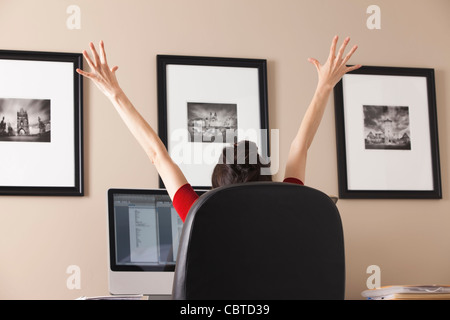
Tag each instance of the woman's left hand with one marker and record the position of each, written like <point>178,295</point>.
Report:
<point>335,67</point>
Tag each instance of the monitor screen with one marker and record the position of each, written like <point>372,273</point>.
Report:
<point>144,233</point>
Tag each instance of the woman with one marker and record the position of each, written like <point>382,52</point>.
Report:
<point>178,188</point>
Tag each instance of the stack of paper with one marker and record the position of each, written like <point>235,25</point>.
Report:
<point>114,297</point>
<point>409,292</point>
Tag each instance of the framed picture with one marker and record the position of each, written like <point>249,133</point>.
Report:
<point>207,103</point>
<point>387,135</point>
<point>41,133</point>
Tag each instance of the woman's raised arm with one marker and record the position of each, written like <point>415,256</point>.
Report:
<point>105,79</point>
<point>329,75</point>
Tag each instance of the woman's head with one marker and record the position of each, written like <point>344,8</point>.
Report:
<point>240,163</point>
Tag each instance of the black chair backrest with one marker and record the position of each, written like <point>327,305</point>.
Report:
<point>261,240</point>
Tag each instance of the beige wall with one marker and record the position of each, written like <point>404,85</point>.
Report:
<point>42,236</point>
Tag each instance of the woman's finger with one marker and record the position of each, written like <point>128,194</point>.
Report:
<point>88,59</point>
<point>314,62</point>
<point>348,56</point>
<point>333,48</point>
<point>342,49</point>
<point>103,53</point>
<point>95,54</point>
<point>85,74</point>
<point>352,68</point>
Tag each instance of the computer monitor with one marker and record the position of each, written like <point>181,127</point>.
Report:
<point>144,233</point>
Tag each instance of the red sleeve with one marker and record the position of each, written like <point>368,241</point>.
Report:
<point>293,180</point>
<point>183,199</point>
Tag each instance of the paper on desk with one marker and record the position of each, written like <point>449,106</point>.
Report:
<point>410,289</point>
<point>116,297</point>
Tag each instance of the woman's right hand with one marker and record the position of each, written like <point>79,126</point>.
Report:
<point>105,79</point>
<point>103,76</point>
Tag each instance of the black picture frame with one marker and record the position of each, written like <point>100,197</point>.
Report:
<point>46,155</point>
<point>211,67</point>
<point>387,134</point>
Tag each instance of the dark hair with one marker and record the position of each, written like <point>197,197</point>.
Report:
<point>239,163</point>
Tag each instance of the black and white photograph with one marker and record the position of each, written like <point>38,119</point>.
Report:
<point>212,122</point>
<point>25,120</point>
<point>41,124</point>
<point>206,104</point>
<point>387,127</point>
<point>386,134</point>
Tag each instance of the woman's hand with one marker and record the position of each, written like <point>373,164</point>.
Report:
<point>329,74</point>
<point>335,67</point>
<point>103,76</point>
<point>105,79</point>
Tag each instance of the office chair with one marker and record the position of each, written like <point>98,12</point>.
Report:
<point>261,240</point>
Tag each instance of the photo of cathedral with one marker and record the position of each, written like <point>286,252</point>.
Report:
<point>25,120</point>
<point>212,122</point>
<point>387,127</point>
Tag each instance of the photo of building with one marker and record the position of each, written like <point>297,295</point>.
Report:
<point>386,127</point>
